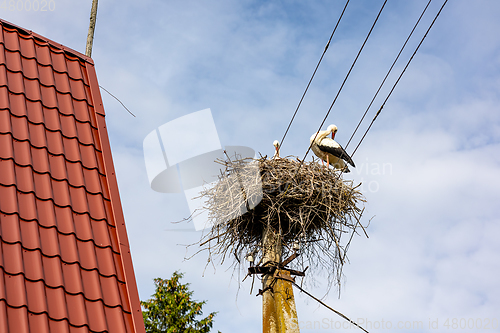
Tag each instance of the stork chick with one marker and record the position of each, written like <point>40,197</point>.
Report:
<point>276,145</point>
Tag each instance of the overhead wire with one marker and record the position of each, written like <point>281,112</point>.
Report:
<point>388,72</point>
<point>116,99</point>
<point>399,78</point>
<point>314,73</point>
<point>329,307</point>
<point>397,81</point>
<point>377,114</point>
<point>380,110</point>
<point>343,83</point>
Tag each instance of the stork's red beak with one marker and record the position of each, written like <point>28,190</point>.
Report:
<point>333,135</point>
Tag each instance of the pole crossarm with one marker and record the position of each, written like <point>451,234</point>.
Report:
<point>274,268</point>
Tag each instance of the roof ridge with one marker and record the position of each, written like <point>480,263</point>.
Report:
<point>24,33</point>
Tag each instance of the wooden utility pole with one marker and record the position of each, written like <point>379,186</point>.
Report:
<point>279,314</point>
<point>90,36</point>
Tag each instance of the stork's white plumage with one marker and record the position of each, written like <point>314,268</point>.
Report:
<point>276,145</point>
<point>329,150</point>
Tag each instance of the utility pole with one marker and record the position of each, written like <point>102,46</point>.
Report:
<point>90,36</point>
<point>279,314</point>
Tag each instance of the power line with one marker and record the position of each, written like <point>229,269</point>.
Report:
<point>388,72</point>
<point>314,73</point>
<point>399,78</point>
<point>329,307</point>
<point>343,83</point>
<point>117,100</point>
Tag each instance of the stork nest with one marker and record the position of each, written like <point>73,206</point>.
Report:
<point>303,204</point>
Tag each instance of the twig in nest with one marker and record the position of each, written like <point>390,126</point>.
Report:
<point>311,204</point>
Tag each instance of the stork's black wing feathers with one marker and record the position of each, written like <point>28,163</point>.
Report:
<point>338,152</point>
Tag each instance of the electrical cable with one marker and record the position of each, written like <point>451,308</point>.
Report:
<point>388,72</point>
<point>394,86</point>
<point>314,73</point>
<point>329,307</point>
<point>399,78</point>
<point>116,99</point>
<point>343,83</point>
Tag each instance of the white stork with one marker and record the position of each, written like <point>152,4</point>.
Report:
<point>329,150</point>
<point>276,145</point>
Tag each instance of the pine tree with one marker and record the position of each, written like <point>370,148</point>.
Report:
<point>172,309</point>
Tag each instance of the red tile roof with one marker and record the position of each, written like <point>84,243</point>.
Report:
<point>65,263</point>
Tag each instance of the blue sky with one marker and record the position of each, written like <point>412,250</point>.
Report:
<point>429,166</point>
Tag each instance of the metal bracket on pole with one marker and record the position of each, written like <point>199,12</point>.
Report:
<point>270,267</point>
<point>261,292</point>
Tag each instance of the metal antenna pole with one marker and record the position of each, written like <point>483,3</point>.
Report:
<point>90,36</point>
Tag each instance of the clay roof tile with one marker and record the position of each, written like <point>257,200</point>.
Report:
<point>65,264</point>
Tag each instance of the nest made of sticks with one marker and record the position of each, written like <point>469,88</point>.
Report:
<point>301,203</point>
